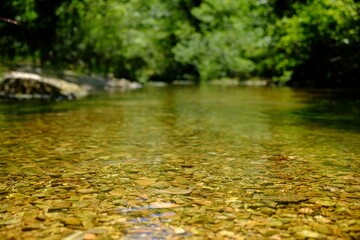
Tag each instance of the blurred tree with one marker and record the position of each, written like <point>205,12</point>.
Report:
<point>132,39</point>
<point>318,44</point>
<point>28,28</point>
<point>231,36</point>
<point>16,19</point>
<point>299,42</point>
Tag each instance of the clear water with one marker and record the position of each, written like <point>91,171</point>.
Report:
<point>183,162</point>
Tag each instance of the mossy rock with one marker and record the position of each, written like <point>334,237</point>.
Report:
<point>22,85</point>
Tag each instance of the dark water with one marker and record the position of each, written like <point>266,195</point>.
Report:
<point>183,162</point>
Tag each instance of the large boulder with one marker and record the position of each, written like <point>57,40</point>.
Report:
<point>22,85</point>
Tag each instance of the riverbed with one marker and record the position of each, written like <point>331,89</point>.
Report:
<point>183,162</point>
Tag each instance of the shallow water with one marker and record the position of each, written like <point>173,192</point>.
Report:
<point>183,162</point>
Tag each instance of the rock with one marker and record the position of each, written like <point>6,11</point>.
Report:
<point>117,192</point>
<point>60,205</point>
<point>77,235</point>
<point>122,83</point>
<point>305,234</point>
<point>321,228</point>
<point>267,210</point>
<point>175,191</point>
<point>22,85</point>
<point>343,210</point>
<point>72,221</point>
<point>144,182</point>
<point>89,236</point>
<point>322,202</point>
<point>268,231</point>
<point>86,190</point>
<point>163,205</point>
<point>322,219</point>
<point>81,204</point>
<point>9,222</point>
<point>179,230</point>
<point>227,234</point>
<point>275,224</point>
<point>286,198</point>
<point>202,202</point>
<point>306,210</point>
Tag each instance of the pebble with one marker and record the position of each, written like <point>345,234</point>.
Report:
<point>305,234</point>
<point>197,202</point>
<point>323,202</point>
<point>72,221</point>
<point>267,211</point>
<point>89,236</point>
<point>275,224</point>
<point>9,222</point>
<point>322,229</point>
<point>86,191</point>
<point>306,210</point>
<point>81,204</point>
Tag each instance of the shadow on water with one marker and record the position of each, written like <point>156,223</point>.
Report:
<point>19,109</point>
<point>339,109</point>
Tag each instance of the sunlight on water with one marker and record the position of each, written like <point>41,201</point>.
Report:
<point>182,162</point>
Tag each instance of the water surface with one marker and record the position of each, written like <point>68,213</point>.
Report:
<point>183,162</point>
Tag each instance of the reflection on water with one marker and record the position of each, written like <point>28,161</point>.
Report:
<point>182,162</point>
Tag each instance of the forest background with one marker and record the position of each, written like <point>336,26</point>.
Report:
<point>299,43</point>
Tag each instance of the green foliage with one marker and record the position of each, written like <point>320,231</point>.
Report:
<point>26,10</point>
<point>128,38</point>
<point>286,41</point>
<point>323,27</point>
<point>15,15</point>
<point>231,37</point>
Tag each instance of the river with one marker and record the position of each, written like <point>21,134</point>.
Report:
<point>183,162</point>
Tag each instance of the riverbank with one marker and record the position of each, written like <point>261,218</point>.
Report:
<point>38,83</point>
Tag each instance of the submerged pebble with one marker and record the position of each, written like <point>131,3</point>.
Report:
<point>178,165</point>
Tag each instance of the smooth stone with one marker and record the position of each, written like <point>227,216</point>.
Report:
<point>60,206</point>
<point>323,202</point>
<point>117,192</point>
<point>343,210</point>
<point>275,224</point>
<point>9,222</point>
<point>75,236</point>
<point>322,229</point>
<point>81,204</point>
<point>305,210</point>
<point>267,211</point>
<point>304,234</point>
<point>72,221</point>
<point>285,198</point>
<point>87,191</point>
<point>353,189</point>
